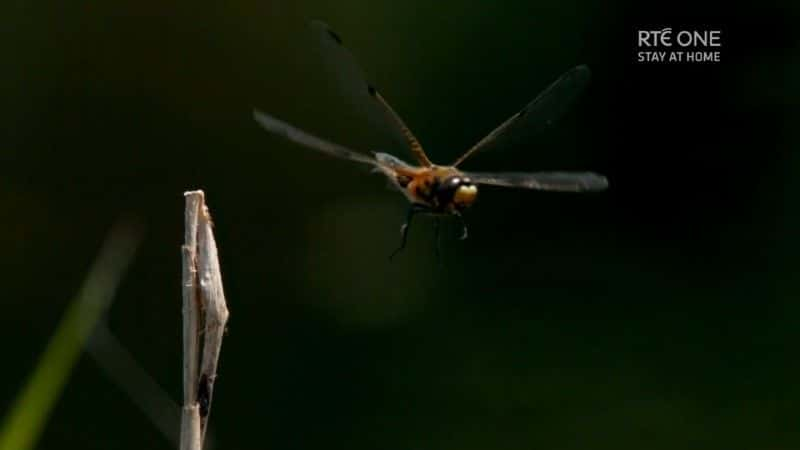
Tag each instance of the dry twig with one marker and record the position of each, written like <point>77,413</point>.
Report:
<point>204,316</point>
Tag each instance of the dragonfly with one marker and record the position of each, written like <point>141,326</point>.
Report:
<point>440,190</point>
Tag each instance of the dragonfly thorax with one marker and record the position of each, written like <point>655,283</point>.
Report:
<point>441,189</point>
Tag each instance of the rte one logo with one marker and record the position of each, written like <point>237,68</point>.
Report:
<point>666,45</point>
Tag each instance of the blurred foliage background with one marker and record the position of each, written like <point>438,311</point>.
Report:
<point>661,314</point>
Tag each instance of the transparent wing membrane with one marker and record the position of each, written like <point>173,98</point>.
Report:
<point>298,136</point>
<point>350,78</point>
<point>393,162</point>
<point>540,113</point>
<point>545,181</point>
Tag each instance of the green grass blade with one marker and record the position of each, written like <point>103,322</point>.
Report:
<point>28,415</point>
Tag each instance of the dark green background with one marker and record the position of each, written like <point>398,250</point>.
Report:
<point>662,314</point>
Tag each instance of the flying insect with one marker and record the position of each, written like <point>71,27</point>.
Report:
<point>442,190</point>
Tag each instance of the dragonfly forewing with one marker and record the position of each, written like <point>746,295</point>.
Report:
<point>537,115</point>
<point>545,181</point>
<point>341,65</point>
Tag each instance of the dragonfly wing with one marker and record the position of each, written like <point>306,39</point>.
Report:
<point>298,136</point>
<point>544,181</point>
<point>349,77</point>
<point>540,113</point>
<point>393,162</point>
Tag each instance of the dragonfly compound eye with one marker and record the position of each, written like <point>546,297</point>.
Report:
<point>457,191</point>
<point>465,195</point>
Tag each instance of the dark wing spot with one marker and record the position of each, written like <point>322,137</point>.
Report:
<point>371,90</point>
<point>334,36</point>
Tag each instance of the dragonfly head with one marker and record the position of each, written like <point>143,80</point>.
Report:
<point>457,191</point>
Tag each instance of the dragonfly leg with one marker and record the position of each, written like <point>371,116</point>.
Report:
<point>464,232</point>
<point>413,210</point>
